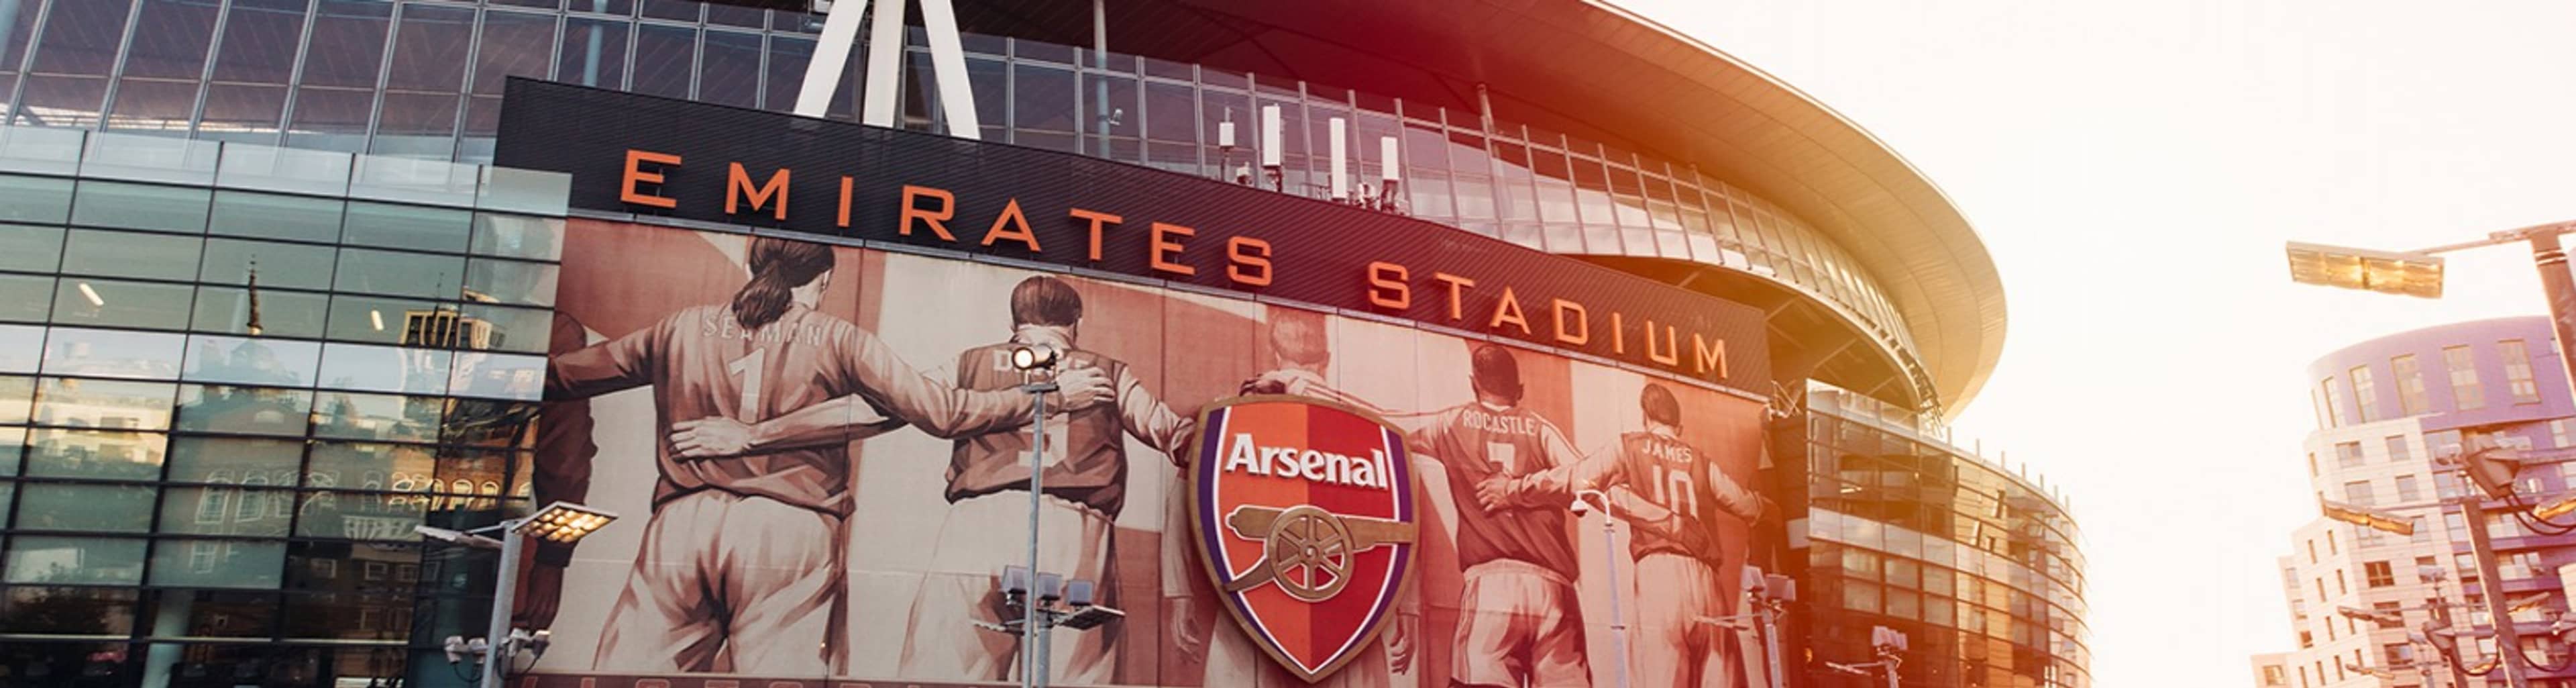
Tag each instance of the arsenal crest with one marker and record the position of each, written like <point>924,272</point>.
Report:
<point>1304,513</point>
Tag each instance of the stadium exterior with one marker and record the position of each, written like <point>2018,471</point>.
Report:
<point>271,303</point>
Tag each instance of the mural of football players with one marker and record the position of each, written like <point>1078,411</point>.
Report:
<point>1523,624</point>
<point>1670,494</point>
<point>988,477</point>
<point>741,567</point>
<point>1301,354</point>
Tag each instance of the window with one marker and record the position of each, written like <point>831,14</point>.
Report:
<point>2348,455</point>
<point>2358,493</point>
<point>2410,385</point>
<point>2365,394</point>
<point>2558,432</point>
<point>2377,574</point>
<point>2466,395</point>
<point>2342,584</point>
<point>2333,389</point>
<point>2422,534</point>
<point>2517,371</point>
<point>2408,489</point>
<point>2397,451</point>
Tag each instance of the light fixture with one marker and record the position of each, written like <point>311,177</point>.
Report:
<point>1035,357</point>
<point>92,295</point>
<point>2555,509</point>
<point>376,317</point>
<point>2387,272</point>
<point>564,522</point>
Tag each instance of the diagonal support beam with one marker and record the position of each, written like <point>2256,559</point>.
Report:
<point>831,61</point>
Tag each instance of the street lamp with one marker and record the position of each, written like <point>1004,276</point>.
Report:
<point>560,522</point>
<point>1610,554</point>
<point>1032,359</point>
<point>1767,598</point>
<point>1889,645</point>
<point>1047,602</point>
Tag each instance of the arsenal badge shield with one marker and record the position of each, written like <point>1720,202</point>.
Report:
<point>1304,514</point>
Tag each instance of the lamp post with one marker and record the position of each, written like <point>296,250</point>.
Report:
<point>2419,273</point>
<point>1610,556</point>
<point>1031,359</point>
<point>562,522</point>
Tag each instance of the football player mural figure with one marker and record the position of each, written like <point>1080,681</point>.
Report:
<point>741,567</point>
<point>1523,624</point>
<point>1671,494</point>
<point>1301,350</point>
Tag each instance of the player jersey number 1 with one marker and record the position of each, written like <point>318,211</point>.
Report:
<point>750,369</point>
<point>1673,489</point>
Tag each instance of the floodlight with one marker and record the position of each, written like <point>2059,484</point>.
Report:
<point>1081,593</point>
<point>2526,603</point>
<point>2383,619</point>
<point>1783,588</point>
<point>1035,357</point>
<point>2367,518</point>
<point>2562,627</point>
<point>1090,617</point>
<point>1015,580</point>
<point>563,522</point>
<point>2388,272</point>
<point>1583,501</point>
<point>1050,587</point>
<point>1887,639</point>
<point>2555,509</point>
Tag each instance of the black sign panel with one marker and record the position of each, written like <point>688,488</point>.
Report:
<point>654,156</point>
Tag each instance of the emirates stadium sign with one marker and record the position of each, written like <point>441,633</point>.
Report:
<point>1303,512</point>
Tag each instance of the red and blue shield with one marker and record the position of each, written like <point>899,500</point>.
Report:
<point>1304,513</point>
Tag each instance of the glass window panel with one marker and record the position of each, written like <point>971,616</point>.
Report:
<point>296,266</point>
<point>251,410</point>
<point>17,399</point>
<point>1043,102</point>
<point>94,454</point>
<point>260,38</point>
<point>513,44</point>
<point>664,60</point>
<point>272,216</point>
<point>236,460</point>
<point>109,404</point>
<point>13,445</point>
<point>79,301</point>
<point>362,516</point>
<point>94,508</point>
<point>108,353</point>
<point>71,612</point>
<point>242,112</point>
<point>152,106</point>
<point>683,10</point>
<point>785,75</point>
<point>16,32</point>
<point>524,330</point>
<point>75,52</point>
<point>330,118</point>
<point>370,466</point>
<point>281,313</point>
<point>35,199</point>
<point>141,206</point>
<point>489,423</point>
<point>383,320</point>
<point>416,125</point>
<point>128,254</point>
<point>510,282</point>
<point>250,361</point>
<point>594,53</point>
<point>384,369</point>
<point>377,417</point>
<point>736,16</point>
<point>518,236</point>
<point>30,247</point>
<point>61,101</point>
<point>25,298</point>
<point>247,512</point>
<point>349,40</point>
<point>499,376</point>
<point>405,226</point>
<point>343,616</point>
<point>392,272</point>
<point>214,613</point>
<point>729,71</point>
<point>431,48</point>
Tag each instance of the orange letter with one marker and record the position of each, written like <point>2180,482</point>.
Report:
<point>1456,284</point>
<point>1251,259</point>
<point>1710,357</point>
<point>1387,287</point>
<point>935,219</point>
<point>1011,217</point>
<point>738,184</point>
<point>1508,311</point>
<point>844,219</point>
<point>1097,219</point>
<point>1582,325</point>
<point>1618,334</point>
<point>1670,353</point>
<point>1165,249</point>
<point>635,174</point>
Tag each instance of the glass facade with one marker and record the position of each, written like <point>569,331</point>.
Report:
<point>1979,568</point>
<point>233,379</point>
<point>423,79</point>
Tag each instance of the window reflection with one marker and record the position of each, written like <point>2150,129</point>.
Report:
<point>235,461</point>
<point>406,226</point>
<point>112,303</point>
<point>32,248</point>
<point>384,369</point>
<point>228,310</point>
<point>371,466</point>
<point>377,417</point>
<point>247,410</point>
<point>360,516</point>
<point>66,611</point>
<point>271,216</point>
<point>502,376</point>
<point>518,236</point>
<point>35,199</point>
<point>396,273</point>
<point>110,404</point>
<point>17,399</point>
<point>489,423</point>
<point>210,613</point>
<point>87,508</point>
<point>95,454</point>
<point>510,281</point>
<point>140,206</point>
<point>253,361</point>
<point>293,266</point>
<point>27,302</point>
<point>245,511</point>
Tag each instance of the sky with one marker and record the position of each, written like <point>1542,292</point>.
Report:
<point>2134,169</point>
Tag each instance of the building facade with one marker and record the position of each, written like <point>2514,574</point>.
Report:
<point>384,366</point>
<point>2391,412</point>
